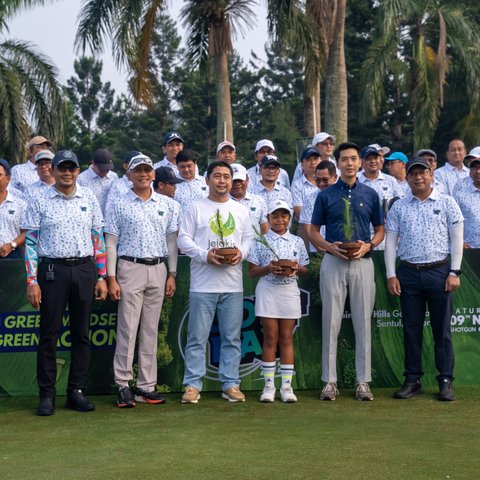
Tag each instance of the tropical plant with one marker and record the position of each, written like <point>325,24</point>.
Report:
<point>348,226</point>
<point>416,45</point>
<point>262,239</point>
<point>221,229</point>
<point>30,96</point>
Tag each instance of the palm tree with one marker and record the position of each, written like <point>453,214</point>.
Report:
<point>416,44</point>
<point>30,96</point>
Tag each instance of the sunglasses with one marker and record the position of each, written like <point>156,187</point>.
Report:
<point>64,168</point>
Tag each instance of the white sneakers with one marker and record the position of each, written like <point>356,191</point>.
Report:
<point>286,394</point>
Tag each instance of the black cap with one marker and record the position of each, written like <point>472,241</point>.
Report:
<point>5,165</point>
<point>129,155</point>
<point>102,159</point>
<point>268,160</point>
<point>417,161</point>
<point>64,156</point>
<point>166,175</point>
<point>310,152</point>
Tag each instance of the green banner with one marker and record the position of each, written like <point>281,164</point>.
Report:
<point>19,336</point>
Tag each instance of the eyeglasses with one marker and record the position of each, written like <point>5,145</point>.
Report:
<point>322,180</point>
<point>272,167</point>
<point>419,173</point>
<point>64,168</point>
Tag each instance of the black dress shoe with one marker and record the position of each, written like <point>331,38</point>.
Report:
<point>409,390</point>
<point>76,400</point>
<point>46,407</point>
<point>446,393</point>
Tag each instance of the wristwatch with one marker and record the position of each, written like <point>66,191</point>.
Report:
<point>13,245</point>
<point>172,274</point>
<point>372,246</point>
<point>457,273</point>
<point>101,277</point>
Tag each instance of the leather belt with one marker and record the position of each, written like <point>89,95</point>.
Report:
<point>424,266</point>
<point>144,261</point>
<point>69,262</point>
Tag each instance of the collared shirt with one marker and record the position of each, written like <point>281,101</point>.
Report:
<point>307,208</point>
<point>23,175</point>
<point>257,208</point>
<point>286,246</point>
<point>34,188</point>
<point>11,211</point>
<point>302,188</point>
<point>404,188</point>
<point>254,177</point>
<point>385,185</point>
<point>422,226</point>
<point>277,193</point>
<point>449,175</point>
<point>142,226</point>
<point>190,191</point>
<point>100,186</point>
<point>467,195</point>
<point>120,187</point>
<point>64,224</point>
<point>330,207</point>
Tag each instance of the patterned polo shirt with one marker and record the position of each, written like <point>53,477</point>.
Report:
<point>449,175</point>
<point>11,211</point>
<point>301,189</point>
<point>190,191</point>
<point>64,224</point>
<point>142,226</point>
<point>277,193</point>
<point>467,195</point>
<point>121,186</point>
<point>257,208</point>
<point>286,246</point>
<point>100,186</point>
<point>34,188</point>
<point>23,175</point>
<point>423,226</point>
<point>254,177</point>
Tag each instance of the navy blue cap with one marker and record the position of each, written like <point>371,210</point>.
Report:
<point>167,175</point>
<point>370,150</point>
<point>5,165</point>
<point>420,161</point>
<point>268,159</point>
<point>64,156</point>
<point>129,155</point>
<point>169,136</point>
<point>310,152</point>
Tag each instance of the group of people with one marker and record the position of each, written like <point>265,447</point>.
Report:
<point>88,235</point>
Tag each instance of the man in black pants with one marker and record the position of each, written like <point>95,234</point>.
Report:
<point>64,235</point>
<point>427,229</point>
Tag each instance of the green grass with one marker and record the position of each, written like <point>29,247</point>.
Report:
<point>389,439</point>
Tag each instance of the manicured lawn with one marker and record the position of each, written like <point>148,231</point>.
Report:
<point>384,439</point>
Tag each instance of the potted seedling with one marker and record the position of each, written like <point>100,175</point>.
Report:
<point>288,266</point>
<point>222,230</point>
<point>351,246</point>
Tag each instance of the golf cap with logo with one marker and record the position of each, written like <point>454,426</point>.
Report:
<point>473,153</point>
<point>170,136</point>
<point>224,144</point>
<point>379,148</point>
<point>239,172</point>
<point>426,151</point>
<point>139,160</point>
<point>102,159</point>
<point>167,175</point>
<point>367,151</point>
<point>397,156</point>
<point>268,160</point>
<point>310,152</point>
<point>44,155</point>
<point>38,140</point>
<point>321,137</point>
<point>64,156</point>
<point>264,143</point>
<point>417,161</point>
<point>278,205</point>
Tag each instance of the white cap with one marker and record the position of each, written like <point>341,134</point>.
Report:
<point>224,144</point>
<point>264,143</point>
<point>474,153</point>
<point>385,150</point>
<point>321,137</point>
<point>44,155</point>
<point>277,205</point>
<point>139,160</point>
<point>239,172</point>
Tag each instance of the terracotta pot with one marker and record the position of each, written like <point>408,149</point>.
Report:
<point>227,253</point>
<point>288,266</point>
<point>351,247</point>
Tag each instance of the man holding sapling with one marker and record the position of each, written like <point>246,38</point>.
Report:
<point>210,225</point>
<point>347,209</point>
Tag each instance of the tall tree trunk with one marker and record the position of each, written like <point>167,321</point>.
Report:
<point>336,92</point>
<point>311,111</point>
<point>224,104</point>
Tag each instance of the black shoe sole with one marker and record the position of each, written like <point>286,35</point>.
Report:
<point>406,397</point>
<point>71,406</point>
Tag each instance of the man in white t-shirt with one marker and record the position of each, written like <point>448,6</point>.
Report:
<point>215,288</point>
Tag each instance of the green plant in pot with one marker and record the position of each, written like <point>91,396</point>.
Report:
<point>350,245</point>
<point>222,230</point>
<point>287,266</point>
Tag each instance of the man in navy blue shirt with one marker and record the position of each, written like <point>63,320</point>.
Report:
<point>339,273</point>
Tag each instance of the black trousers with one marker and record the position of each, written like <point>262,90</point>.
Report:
<point>419,289</point>
<point>72,285</point>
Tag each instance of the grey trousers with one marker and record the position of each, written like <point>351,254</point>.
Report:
<point>143,290</point>
<point>336,276</point>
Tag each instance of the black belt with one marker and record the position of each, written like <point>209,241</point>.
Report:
<point>144,261</point>
<point>424,266</point>
<point>69,262</point>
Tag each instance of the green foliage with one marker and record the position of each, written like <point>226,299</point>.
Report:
<point>262,239</point>
<point>221,229</point>
<point>348,220</point>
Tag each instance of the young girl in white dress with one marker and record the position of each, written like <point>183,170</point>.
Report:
<point>277,298</point>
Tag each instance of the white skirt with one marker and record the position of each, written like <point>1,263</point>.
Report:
<point>277,301</point>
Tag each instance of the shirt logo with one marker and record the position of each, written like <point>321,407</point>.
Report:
<point>11,212</point>
<point>160,213</point>
<point>204,189</point>
<point>83,209</point>
<point>253,208</point>
<point>436,212</point>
